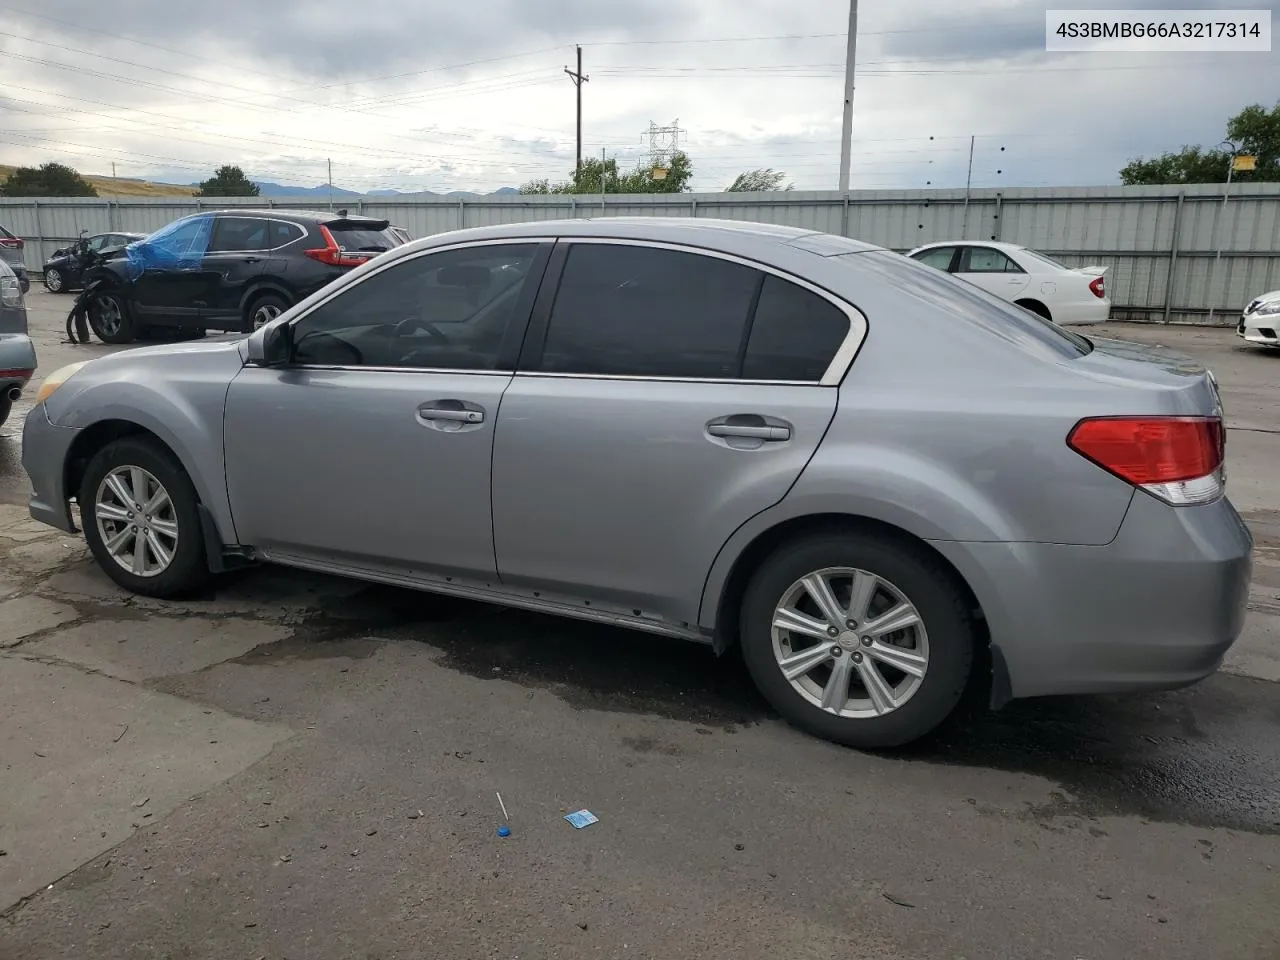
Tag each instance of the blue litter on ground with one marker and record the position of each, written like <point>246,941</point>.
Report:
<point>504,831</point>
<point>582,818</point>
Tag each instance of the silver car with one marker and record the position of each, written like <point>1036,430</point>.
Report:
<point>882,483</point>
<point>17,355</point>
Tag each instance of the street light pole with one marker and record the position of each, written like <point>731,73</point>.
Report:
<point>846,135</point>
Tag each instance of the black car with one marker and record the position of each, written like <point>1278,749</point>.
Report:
<point>226,270</point>
<point>63,270</point>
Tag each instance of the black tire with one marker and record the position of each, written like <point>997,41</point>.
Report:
<point>6,407</point>
<point>1036,307</point>
<point>263,302</point>
<point>188,570</point>
<point>941,603</point>
<point>55,280</point>
<point>123,330</point>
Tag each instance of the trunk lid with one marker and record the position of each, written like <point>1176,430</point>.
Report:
<point>1163,381</point>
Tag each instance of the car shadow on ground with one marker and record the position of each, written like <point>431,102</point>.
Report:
<point>1206,755</point>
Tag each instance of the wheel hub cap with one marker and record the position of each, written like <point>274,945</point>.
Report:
<point>866,672</point>
<point>136,521</point>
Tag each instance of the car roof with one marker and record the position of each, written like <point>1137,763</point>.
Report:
<point>317,216</point>
<point>729,236</point>
<point>998,244</point>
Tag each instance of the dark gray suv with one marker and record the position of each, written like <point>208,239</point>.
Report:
<point>11,252</point>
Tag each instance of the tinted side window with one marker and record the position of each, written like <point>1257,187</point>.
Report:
<point>939,257</point>
<point>448,310</point>
<point>795,333</point>
<point>282,233</point>
<point>239,233</point>
<point>642,311</point>
<point>986,260</point>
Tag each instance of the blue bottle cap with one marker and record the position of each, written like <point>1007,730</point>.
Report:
<point>504,831</point>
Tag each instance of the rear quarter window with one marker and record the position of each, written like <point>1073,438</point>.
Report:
<point>966,302</point>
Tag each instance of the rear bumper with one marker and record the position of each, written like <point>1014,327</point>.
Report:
<point>1082,313</point>
<point>44,457</point>
<point>1157,608</point>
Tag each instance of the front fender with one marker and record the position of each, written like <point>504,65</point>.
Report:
<point>183,407</point>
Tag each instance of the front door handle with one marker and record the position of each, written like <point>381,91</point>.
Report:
<point>451,415</point>
<point>762,432</point>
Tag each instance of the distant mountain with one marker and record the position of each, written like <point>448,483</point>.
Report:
<point>322,192</point>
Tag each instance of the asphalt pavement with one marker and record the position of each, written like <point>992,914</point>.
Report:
<point>299,767</point>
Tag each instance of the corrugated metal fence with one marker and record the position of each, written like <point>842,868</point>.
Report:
<point>1178,254</point>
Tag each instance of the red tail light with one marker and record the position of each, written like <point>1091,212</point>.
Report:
<point>1179,459</point>
<point>13,243</point>
<point>334,255</point>
<point>1098,287</point>
<point>23,375</point>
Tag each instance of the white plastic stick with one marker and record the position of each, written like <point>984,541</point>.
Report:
<point>504,808</point>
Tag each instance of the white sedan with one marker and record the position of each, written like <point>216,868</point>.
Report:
<point>1065,295</point>
<point>1260,319</point>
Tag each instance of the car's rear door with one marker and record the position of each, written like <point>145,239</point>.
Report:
<point>665,396</point>
<point>372,450</point>
<point>236,257</point>
<point>992,270</point>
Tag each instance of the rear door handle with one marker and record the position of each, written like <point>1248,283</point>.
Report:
<point>764,432</point>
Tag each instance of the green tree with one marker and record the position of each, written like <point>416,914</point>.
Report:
<point>758,180</point>
<point>602,176</point>
<point>228,181</point>
<point>1255,130</point>
<point>47,180</point>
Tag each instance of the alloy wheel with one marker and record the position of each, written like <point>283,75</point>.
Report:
<point>110,317</point>
<point>136,521</point>
<point>53,280</point>
<point>850,642</point>
<point>264,314</point>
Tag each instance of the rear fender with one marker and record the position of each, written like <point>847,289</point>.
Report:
<point>260,287</point>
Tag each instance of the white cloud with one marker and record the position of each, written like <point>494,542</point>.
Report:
<point>282,88</point>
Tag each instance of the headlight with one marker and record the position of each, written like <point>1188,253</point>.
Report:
<point>56,379</point>
<point>1268,309</point>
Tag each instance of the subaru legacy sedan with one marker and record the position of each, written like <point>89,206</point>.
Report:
<point>879,482</point>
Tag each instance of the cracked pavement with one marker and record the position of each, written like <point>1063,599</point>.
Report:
<point>294,766</point>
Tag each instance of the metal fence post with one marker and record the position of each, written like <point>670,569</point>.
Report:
<point>462,213</point>
<point>998,218</point>
<point>1173,257</point>
<point>844,216</point>
<point>693,208</point>
<point>39,235</point>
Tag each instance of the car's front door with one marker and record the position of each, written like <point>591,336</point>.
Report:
<point>236,256</point>
<point>169,282</point>
<point>665,398</point>
<point>992,270</point>
<point>372,449</point>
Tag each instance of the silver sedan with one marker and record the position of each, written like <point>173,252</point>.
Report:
<point>881,484</point>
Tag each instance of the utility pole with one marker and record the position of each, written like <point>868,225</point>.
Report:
<point>1222,215</point>
<point>968,182</point>
<point>846,135</point>
<point>578,78</point>
<point>113,169</point>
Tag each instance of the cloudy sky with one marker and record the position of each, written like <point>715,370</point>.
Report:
<point>427,94</point>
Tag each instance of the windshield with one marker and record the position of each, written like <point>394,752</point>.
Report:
<point>966,301</point>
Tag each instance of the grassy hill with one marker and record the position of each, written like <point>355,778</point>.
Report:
<point>124,187</point>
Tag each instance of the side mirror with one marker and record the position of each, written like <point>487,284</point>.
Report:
<point>271,346</point>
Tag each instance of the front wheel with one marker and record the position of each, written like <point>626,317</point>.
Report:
<point>54,281</point>
<point>110,319</point>
<point>139,512</point>
<point>858,639</point>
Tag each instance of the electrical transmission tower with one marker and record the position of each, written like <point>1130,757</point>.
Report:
<point>664,143</point>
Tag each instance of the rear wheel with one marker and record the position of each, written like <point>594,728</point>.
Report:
<point>262,310</point>
<point>54,281</point>
<point>110,319</point>
<point>1036,307</point>
<point>861,640</point>
<point>140,517</point>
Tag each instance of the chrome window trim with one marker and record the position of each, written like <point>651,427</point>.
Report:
<point>841,361</point>
<point>244,216</point>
